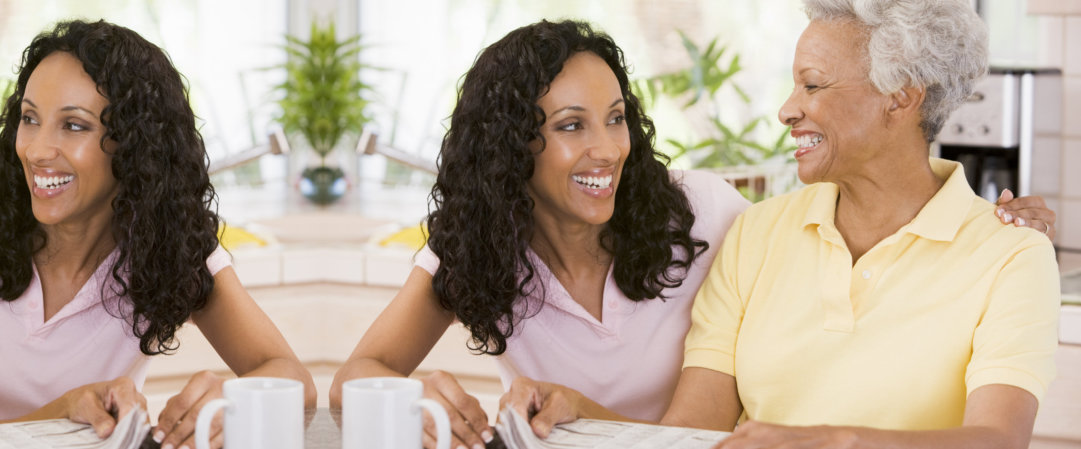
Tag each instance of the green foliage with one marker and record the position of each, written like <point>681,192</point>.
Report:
<point>322,95</point>
<point>708,73</point>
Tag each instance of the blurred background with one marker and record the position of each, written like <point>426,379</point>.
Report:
<point>323,255</point>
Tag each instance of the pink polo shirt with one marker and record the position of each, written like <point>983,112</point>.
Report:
<point>629,361</point>
<point>85,342</point>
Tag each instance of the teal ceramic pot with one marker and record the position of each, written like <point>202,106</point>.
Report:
<point>323,185</point>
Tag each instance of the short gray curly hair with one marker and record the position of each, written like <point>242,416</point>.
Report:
<point>940,45</point>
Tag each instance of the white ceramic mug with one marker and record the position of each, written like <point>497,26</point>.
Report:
<point>385,413</point>
<point>260,412</point>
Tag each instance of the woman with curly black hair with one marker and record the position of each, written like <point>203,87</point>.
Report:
<point>110,238</point>
<point>558,238</point>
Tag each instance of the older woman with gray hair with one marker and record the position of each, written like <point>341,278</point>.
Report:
<point>883,305</point>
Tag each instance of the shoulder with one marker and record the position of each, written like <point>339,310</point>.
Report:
<point>708,192</point>
<point>782,208</point>
<point>218,260</point>
<point>982,229</point>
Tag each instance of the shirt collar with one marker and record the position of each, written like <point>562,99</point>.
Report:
<point>940,218</point>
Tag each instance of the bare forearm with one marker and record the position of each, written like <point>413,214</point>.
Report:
<point>291,369</point>
<point>355,368</point>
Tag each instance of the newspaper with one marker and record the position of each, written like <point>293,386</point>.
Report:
<point>515,433</point>
<point>131,432</point>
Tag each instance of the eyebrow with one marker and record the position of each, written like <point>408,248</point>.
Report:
<point>65,108</point>
<point>579,108</point>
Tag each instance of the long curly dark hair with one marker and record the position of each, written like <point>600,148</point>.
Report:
<point>163,221</point>
<point>482,220</point>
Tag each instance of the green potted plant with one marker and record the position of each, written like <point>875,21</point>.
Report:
<point>323,99</point>
<point>727,148</point>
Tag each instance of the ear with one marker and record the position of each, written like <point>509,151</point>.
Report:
<point>907,100</point>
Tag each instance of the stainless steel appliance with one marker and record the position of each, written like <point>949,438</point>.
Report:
<point>1014,116</point>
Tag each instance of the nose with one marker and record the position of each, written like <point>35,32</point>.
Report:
<point>606,146</point>
<point>36,146</point>
<point>790,112</point>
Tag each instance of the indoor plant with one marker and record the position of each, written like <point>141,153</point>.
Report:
<point>323,99</point>
<point>733,150</point>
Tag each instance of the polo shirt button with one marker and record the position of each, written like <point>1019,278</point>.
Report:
<point>33,306</point>
<point>867,274</point>
<point>613,304</point>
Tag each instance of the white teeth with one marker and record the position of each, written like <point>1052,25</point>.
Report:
<point>808,141</point>
<point>594,182</point>
<point>51,182</point>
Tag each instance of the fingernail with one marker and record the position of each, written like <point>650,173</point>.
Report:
<point>185,447</point>
<point>998,213</point>
<point>486,436</point>
<point>1020,221</point>
<point>158,436</point>
<point>461,446</point>
<point>1008,218</point>
<point>167,446</point>
<point>478,446</point>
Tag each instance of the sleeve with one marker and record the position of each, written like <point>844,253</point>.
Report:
<point>218,260</point>
<point>1015,340</point>
<point>718,311</point>
<point>427,260</point>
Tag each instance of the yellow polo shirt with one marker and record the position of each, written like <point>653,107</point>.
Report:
<point>952,301</point>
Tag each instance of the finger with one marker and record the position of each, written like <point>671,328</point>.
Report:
<point>461,433</point>
<point>121,397</point>
<point>468,421</point>
<point>218,442</point>
<point>430,440</point>
<point>175,409</point>
<point>1004,197</point>
<point>179,407</point>
<point>184,430</point>
<point>92,411</point>
<point>471,413</point>
<point>520,397</point>
<point>555,410</point>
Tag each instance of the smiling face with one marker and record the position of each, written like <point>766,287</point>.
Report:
<point>59,143</point>
<point>836,114</point>
<point>577,172</point>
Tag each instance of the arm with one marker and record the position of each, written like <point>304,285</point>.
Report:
<point>398,341</point>
<point>247,340</point>
<point>704,399</point>
<point>98,404</point>
<point>996,416</point>
<point>1028,211</point>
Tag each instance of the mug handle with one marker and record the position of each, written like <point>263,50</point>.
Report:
<point>442,423</point>
<point>202,425</point>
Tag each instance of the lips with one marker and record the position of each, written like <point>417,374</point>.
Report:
<point>594,182</point>
<point>806,142</point>
<point>51,182</point>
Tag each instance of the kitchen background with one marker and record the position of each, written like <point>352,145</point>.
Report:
<point>324,272</point>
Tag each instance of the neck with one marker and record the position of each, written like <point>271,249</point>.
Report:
<point>76,248</point>
<point>882,198</point>
<point>570,249</point>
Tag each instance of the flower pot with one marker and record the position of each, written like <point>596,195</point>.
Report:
<point>322,185</point>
